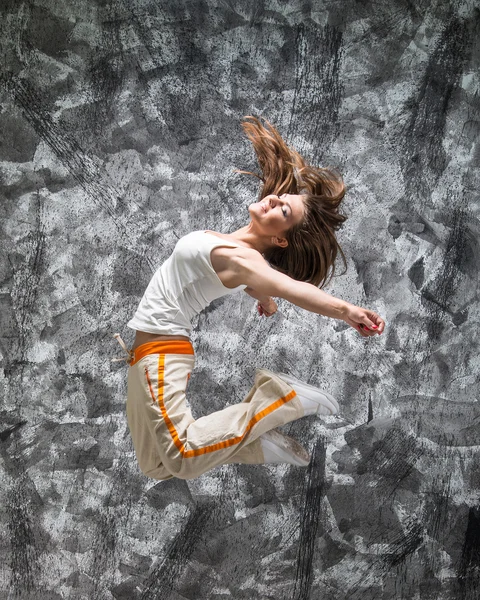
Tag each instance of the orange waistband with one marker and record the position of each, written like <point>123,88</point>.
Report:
<point>162,347</point>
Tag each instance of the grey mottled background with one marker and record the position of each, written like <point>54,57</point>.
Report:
<point>120,130</point>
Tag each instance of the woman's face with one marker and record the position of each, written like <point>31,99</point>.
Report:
<point>275,215</point>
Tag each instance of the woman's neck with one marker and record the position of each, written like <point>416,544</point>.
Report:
<point>247,237</point>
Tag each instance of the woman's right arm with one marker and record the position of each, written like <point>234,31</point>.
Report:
<point>256,273</point>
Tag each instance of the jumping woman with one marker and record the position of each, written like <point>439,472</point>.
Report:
<point>287,250</point>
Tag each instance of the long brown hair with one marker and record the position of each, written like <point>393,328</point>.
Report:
<point>312,246</point>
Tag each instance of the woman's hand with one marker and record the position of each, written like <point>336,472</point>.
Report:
<point>366,322</point>
<point>267,307</point>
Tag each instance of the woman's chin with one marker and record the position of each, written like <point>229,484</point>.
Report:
<point>257,208</point>
<point>253,211</point>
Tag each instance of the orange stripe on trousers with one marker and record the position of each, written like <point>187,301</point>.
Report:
<point>220,445</point>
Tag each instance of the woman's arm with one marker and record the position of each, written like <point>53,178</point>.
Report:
<point>255,272</point>
<point>266,305</point>
<point>254,294</point>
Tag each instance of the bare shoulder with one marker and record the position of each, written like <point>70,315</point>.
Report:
<point>250,255</point>
<point>237,258</point>
<point>232,253</point>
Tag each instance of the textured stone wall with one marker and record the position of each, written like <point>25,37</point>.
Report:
<point>119,133</point>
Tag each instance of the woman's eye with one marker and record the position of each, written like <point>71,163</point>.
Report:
<point>284,212</point>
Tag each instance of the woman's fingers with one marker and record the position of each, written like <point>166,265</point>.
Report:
<point>371,322</point>
<point>262,312</point>
<point>378,323</point>
<point>262,308</point>
<point>363,330</point>
<point>366,322</point>
<point>367,331</point>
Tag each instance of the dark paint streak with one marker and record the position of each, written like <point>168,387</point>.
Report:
<point>310,516</point>
<point>423,161</point>
<point>436,511</point>
<point>318,88</point>
<point>69,152</point>
<point>25,294</point>
<point>6,433</point>
<point>164,577</point>
<point>83,169</point>
<point>115,511</point>
<point>469,568</point>
<point>424,158</point>
<point>370,409</point>
<point>106,71</point>
<point>441,293</point>
<point>404,546</point>
<point>24,507</point>
<point>104,550</point>
<point>391,455</point>
<point>24,559</point>
<point>32,273</point>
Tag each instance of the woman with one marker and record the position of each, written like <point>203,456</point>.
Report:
<point>287,250</point>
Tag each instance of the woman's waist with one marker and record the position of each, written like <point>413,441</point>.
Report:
<point>149,343</point>
<point>143,337</point>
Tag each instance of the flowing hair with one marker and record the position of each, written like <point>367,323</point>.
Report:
<point>312,246</point>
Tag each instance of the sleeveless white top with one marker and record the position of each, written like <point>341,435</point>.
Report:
<point>182,287</point>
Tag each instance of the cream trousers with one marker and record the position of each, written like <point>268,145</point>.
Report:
<point>169,442</point>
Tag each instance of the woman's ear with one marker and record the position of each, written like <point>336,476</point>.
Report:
<point>282,242</point>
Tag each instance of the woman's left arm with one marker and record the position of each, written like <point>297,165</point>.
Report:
<point>257,274</point>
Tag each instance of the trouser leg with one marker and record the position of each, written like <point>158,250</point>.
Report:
<point>168,441</point>
<point>140,418</point>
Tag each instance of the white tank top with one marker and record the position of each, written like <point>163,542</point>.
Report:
<point>182,287</point>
